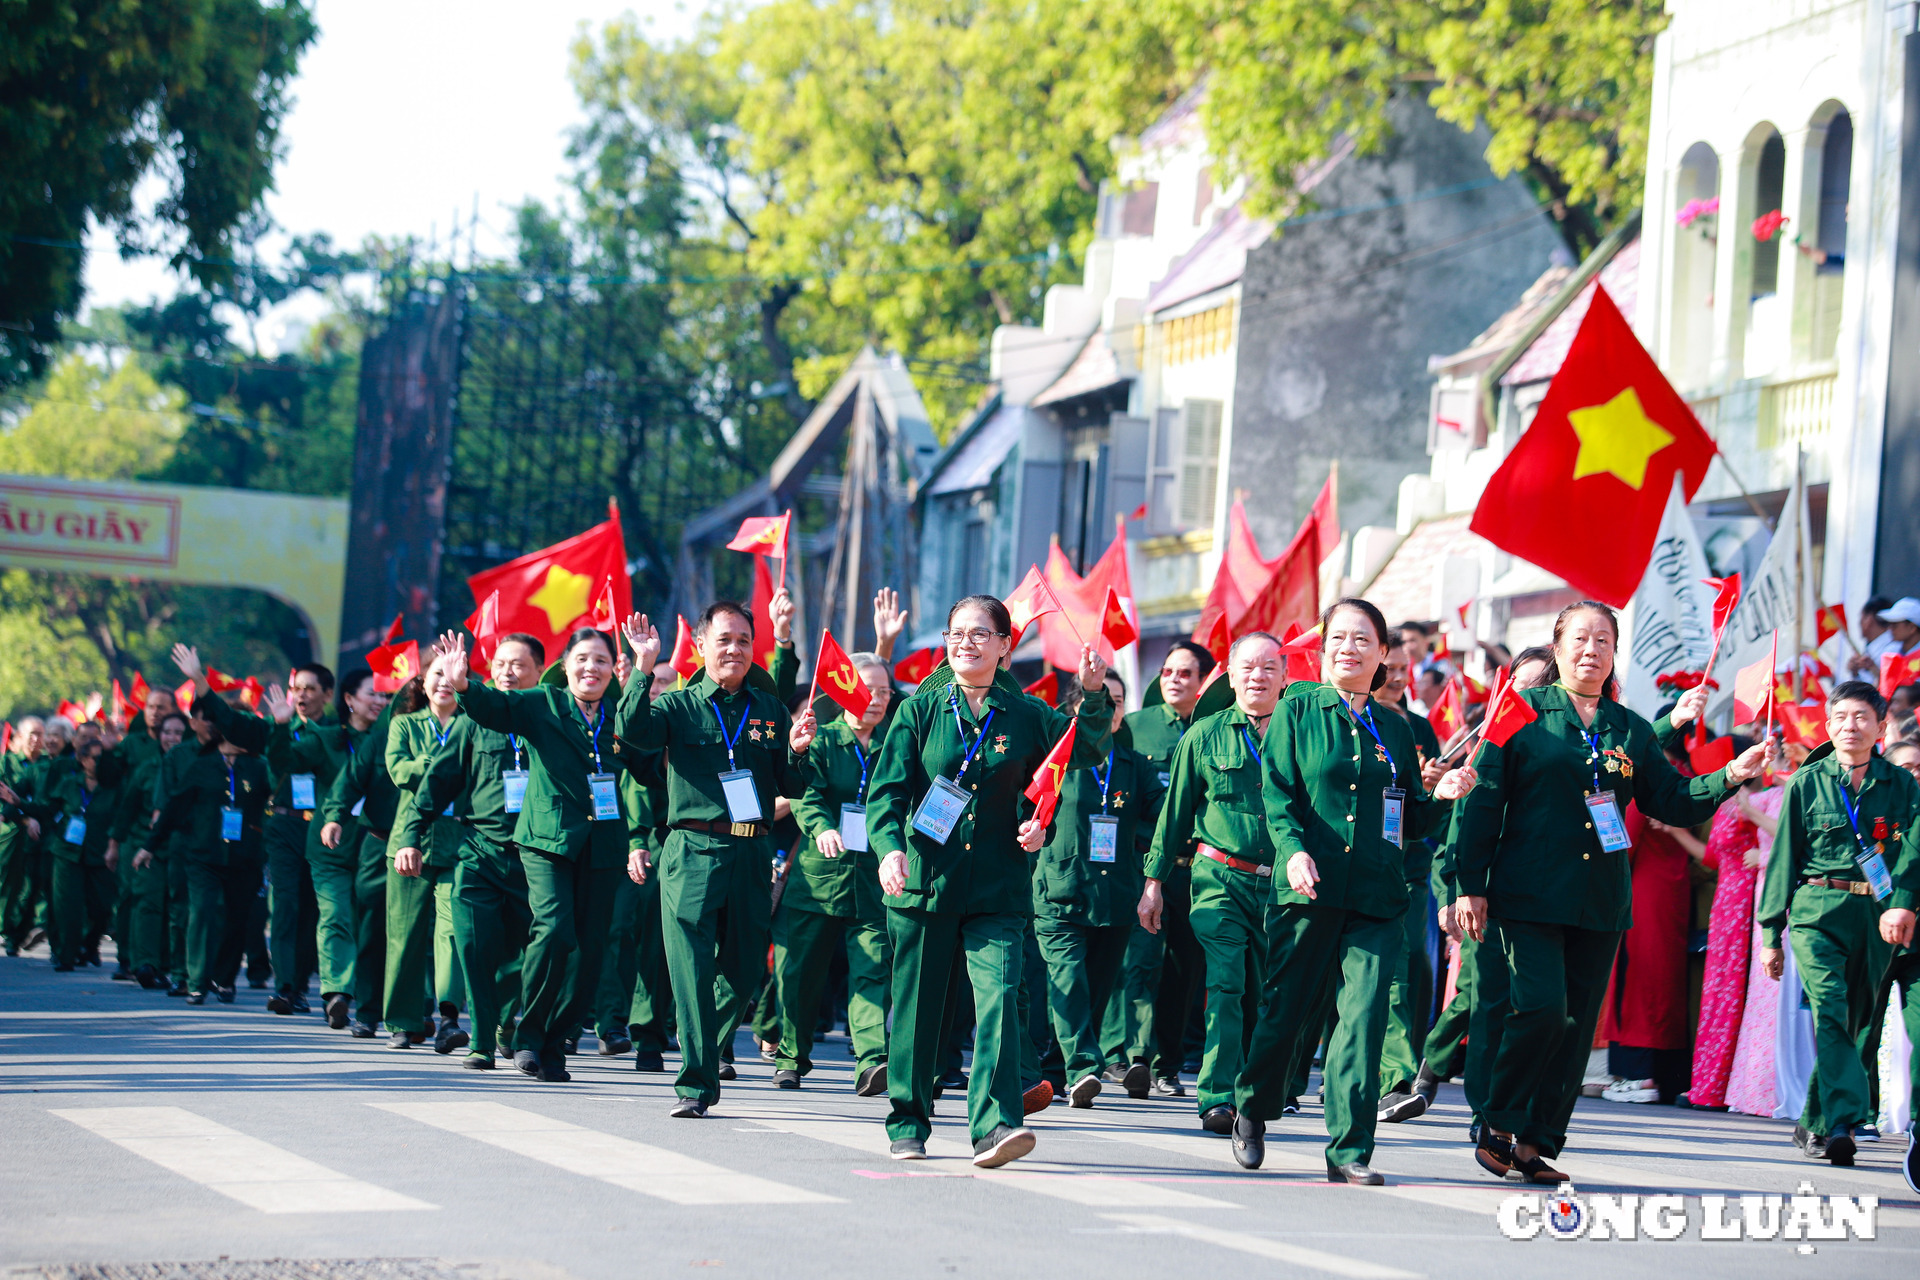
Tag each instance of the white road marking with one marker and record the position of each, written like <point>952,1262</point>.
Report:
<point>635,1166</point>
<point>257,1174</point>
<point>1263,1246</point>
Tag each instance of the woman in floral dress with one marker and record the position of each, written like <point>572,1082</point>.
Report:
<point>1733,853</point>
<point>1751,1087</point>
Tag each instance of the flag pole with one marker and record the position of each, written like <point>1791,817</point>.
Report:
<point>1799,570</point>
<point>814,688</point>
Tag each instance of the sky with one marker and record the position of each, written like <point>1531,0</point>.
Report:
<point>406,112</point>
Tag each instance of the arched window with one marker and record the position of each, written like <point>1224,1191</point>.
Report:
<point>1770,181</point>
<point>1760,230</point>
<point>1696,216</point>
<point>1829,248</point>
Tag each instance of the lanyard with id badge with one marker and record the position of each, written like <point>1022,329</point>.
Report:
<point>853,817</point>
<point>301,791</point>
<point>77,824</point>
<point>946,799</point>
<point>231,822</point>
<point>606,796</point>
<point>1603,806</point>
<point>1104,836</point>
<point>514,781</point>
<point>1393,798</point>
<point>1873,863</point>
<point>736,784</point>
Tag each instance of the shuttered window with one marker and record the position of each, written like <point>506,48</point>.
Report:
<point>1199,461</point>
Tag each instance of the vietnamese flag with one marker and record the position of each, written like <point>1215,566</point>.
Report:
<point>394,664</point>
<point>251,691</point>
<point>1897,669</point>
<point>1829,621</point>
<point>140,692</point>
<point>1583,492</point>
<point>916,666</point>
<point>836,673</point>
<point>183,697</point>
<point>1115,627</point>
<point>220,682</point>
<point>1804,725</point>
<point>395,629</point>
<point>1715,754</point>
<point>1044,790</point>
<point>1507,714</point>
<point>484,624</point>
<point>546,593</point>
<point>1300,647</point>
<point>761,606</point>
<point>763,535</point>
<point>1046,688</point>
<point>1448,714</point>
<point>1219,641</point>
<point>603,617</point>
<point>1754,687</point>
<point>686,658</point>
<point>1031,599</point>
<point>122,712</point>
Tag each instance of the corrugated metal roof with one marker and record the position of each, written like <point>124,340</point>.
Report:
<point>1095,368</point>
<point>1542,360</point>
<point>981,454</point>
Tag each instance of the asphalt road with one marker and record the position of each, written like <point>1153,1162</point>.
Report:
<point>134,1129</point>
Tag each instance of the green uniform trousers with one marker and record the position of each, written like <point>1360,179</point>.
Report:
<point>219,896</point>
<point>933,953</point>
<point>1843,966</point>
<point>419,935</point>
<point>1183,971</point>
<point>293,913</point>
<point>1446,1050</point>
<point>1407,1002</point>
<point>334,872</point>
<point>147,946</point>
<point>16,882</point>
<point>1229,919</point>
<point>570,902</point>
<point>369,925</point>
<point>715,914</point>
<point>1126,1024</point>
<point>1557,981</point>
<point>491,922</point>
<point>122,928</point>
<point>803,955</point>
<point>83,900</point>
<point>1309,948</point>
<point>649,989</point>
<point>1083,965</point>
<point>1490,997</point>
<point>179,909</point>
<point>613,996</point>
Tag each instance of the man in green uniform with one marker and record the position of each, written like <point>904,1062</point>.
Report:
<point>1845,875</point>
<point>1086,885</point>
<point>84,858</point>
<point>53,765</point>
<point>363,791</point>
<point>1146,1017</point>
<point>19,830</point>
<point>133,834</point>
<point>138,747</point>
<point>730,747</point>
<point>1214,817</point>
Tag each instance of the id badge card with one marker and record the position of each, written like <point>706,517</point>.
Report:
<point>743,798</point>
<point>1104,838</point>
<point>514,783</point>
<point>1165,779</point>
<point>1607,822</point>
<point>1393,816</point>
<point>606,796</point>
<point>1872,865</point>
<point>77,831</point>
<point>853,827</point>
<point>230,823</point>
<point>358,806</point>
<point>940,812</point>
<point>300,790</point>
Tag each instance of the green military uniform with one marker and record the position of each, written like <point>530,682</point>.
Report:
<point>320,751</point>
<point>170,851</point>
<point>968,900</point>
<point>146,886</point>
<point>117,767</point>
<point>635,1000</point>
<point>1214,809</point>
<point>1465,1039</point>
<point>1327,770</point>
<point>712,870</point>
<point>17,849</point>
<point>420,907</point>
<point>490,916</point>
<point>571,859</point>
<point>47,773</point>
<point>1558,900</point>
<point>1835,931</point>
<point>1085,899</point>
<point>363,791</point>
<point>222,869</point>
<point>828,900</point>
<point>1406,1039</point>
<point>84,888</point>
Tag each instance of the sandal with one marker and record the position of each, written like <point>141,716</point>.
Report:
<point>1494,1151</point>
<point>1536,1170</point>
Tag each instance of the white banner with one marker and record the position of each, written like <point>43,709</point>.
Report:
<point>1669,621</point>
<point>1766,603</point>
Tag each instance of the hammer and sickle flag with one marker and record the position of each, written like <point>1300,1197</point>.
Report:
<point>394,664</point>
<point>763,535</point>
<point>836,674</point>
<point>1044,790</point>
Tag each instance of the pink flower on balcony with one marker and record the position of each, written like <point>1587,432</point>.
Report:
<point>1767,225</point>
<point>1694,210</point>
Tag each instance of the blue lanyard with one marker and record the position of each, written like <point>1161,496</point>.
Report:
<point>737,729</point>
<point>1365,717</point>
<point>600,718</point>
<point>862,797</point>
<point>1593,747</point>
<point>1853,812</point>
<point>514,738</point>
<point>230,800</point>
<point>953,698</point>
<point>1250,744</point>
<point>1103,779</point>
<point>86,798</point>
<point>442,734</point>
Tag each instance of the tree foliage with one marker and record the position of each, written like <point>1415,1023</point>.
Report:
<point>96,95</point>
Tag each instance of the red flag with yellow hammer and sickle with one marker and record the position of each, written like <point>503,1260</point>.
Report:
<point>1044,790</point>
<point>836,674</point>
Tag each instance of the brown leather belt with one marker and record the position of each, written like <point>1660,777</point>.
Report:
<point>742,829</point>
<point>1212,854</point>
<point>1860,887</point>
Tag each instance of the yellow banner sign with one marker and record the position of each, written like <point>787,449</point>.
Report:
<point>121,527</point>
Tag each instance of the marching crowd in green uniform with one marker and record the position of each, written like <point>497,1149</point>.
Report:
<point>585,842</point>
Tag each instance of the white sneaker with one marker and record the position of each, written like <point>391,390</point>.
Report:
<point>1632,1091</point>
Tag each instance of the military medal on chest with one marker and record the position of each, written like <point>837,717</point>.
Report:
<point>1000,744</point>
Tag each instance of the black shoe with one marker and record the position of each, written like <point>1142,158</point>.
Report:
<point>177,989</point>
<point>1137,1080</point>
<point>279,1003</point>
<point>1840,1148</point>
<point>299,1003</point>
<point>554,1072</point>
<point>954,1079</point>
<point>907,1149</point>
<point>336,1005</point>
<point>1217,1119</point>
<point>1169,1087</point>
<point>1494,1153</point>
<point>477,1062</point>
<point>615,1046</point>
<point>224,994</point>
<point>401,1040</point>
<point>196,997</point>
<point>649,1060</point>
<point>1291,1107</point>
<point>1401,1105</point>
<point>1426,1084</point>
<point>121,975</point>
<point>63,968</point>
<point>1249,1142</point>
<point>688,1109</point>
<point>149,977</point>
<point>1911,1165</point>
<point>1811,1144</point>
<point>12,949</point>
<point>1537,1171</point>
<point>571,1045</point>
<point>450,1036</point>
<point>1084,1091</point>
<point>256,983</point>
<point>527,1062</point>
<point>727,1072</point>
<point>360,1030</point>
<point>1004,1144</point>
<point>872,1083</point>
<point>1356,1174</point>
<point>786,1079</point>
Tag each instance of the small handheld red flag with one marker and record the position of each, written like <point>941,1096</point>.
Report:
<point>1046,688</point>
<point>484,624</point>
<point>122,713</point>
<point>220,682</point>
<point>1716,754</point>
<point>835,672</point>
<point>139,691</point>
<point>1897,669</point>
<point>916,666</point>
<point>763,536</point>
<point>1753,689</point>
<point>1138,513</point>
<point>1830,621</point>
<point>1726,597</point>
<point>1115,627</point>
<point>1302,649</point>
<point>183,697</point>
<point>1804,725</point>
<point>1507,714</point>
<point>1448,714</point>
<point>394,664</point>
<point>394,629</point>
<point>1044,790</point>
<point>251,691</point>
<point>685,659</point>
<point>1032,598</point>
<point>602,617</point>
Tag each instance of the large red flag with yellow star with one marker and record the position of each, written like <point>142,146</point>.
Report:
<point>1583,492</point>
<point>547,593</point>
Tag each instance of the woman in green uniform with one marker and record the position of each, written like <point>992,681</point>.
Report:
<point>133,831</point>
<point>19,830</point>
<point>570,833</point>
<point>85,858</point>
<point>1544,875</point>
<point>832,895</point>
<point>946,814</point>
<point>1085,888</point>
<point>420,874</point>
<point>356,823</point>
<point>1343,796</point>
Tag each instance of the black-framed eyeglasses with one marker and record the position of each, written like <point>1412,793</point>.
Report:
<point>976,636</point>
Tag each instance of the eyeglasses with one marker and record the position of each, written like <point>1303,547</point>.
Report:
<point>976,637</point>
<point>1179,673</point>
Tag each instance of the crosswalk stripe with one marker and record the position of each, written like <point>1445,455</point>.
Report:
<point>635,1166</point>
<point>257,1174</point>
<point>1263,1246</point>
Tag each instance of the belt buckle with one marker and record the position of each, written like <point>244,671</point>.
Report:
<point>741,829</point>
<point>1265,869</point>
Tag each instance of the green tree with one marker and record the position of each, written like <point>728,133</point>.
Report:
<point>94,423</point>
<point>97,95</point>
<point>1563,86</point>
